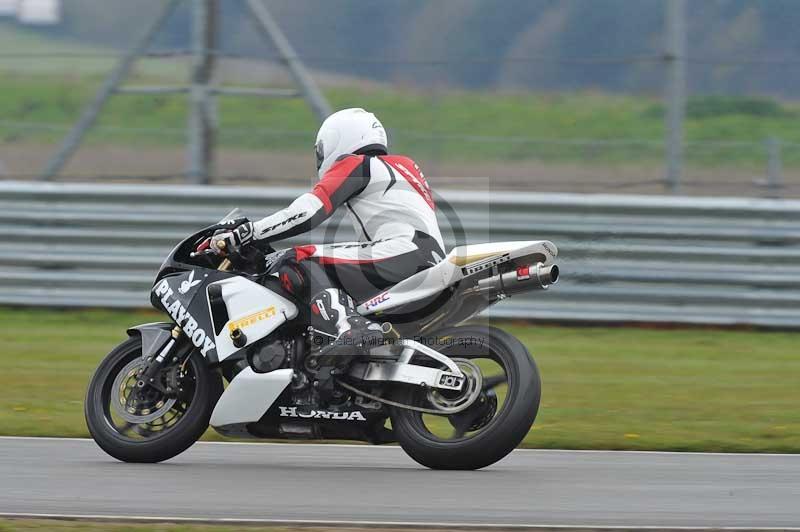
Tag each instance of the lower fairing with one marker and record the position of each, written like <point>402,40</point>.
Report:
<point>262,405</point>
<point>288,421</point>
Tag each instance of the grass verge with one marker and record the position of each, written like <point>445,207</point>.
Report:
<point>603,388</point>
<point>457,125</point>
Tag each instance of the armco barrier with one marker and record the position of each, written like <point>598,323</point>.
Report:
<point>623,258</point>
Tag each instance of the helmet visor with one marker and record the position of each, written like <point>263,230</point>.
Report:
<point>319,150</point>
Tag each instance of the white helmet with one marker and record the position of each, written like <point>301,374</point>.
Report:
<point>348,131</point>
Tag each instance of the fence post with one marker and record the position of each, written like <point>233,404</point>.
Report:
<point>675,57</point>
<point>774,167</point>
<point>201,122</point>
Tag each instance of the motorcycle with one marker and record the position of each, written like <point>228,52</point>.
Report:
<point>453,395</point>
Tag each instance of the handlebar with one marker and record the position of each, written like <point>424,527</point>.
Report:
<point>204,250</point>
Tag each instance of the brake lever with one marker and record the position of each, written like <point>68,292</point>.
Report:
<point>221,246</point>
<point>204,253</point>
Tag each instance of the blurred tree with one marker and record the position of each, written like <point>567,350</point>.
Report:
<point>351,37</point>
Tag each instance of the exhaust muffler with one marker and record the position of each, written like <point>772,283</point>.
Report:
<point>523,279</point>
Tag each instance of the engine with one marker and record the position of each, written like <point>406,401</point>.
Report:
<point>268,356</point>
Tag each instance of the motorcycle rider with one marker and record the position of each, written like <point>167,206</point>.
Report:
<point>393,213</point>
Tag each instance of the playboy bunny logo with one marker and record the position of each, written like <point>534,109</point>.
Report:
<point>188,284</point>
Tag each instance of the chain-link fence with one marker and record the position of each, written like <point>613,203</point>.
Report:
<point>769,168</point>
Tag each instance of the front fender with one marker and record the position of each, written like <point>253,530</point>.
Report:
<point>154,336</point>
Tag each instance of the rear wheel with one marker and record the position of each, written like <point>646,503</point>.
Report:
<point>148,425</point>
<point>508,393</point>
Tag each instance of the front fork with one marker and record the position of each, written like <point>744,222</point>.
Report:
<point>155,364</point>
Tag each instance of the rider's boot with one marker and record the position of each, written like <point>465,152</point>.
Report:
<point>346,333</point>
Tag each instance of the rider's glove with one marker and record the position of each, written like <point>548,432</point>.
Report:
<point>232,241</point>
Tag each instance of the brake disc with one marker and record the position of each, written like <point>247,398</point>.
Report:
<point>456,401</point>
<point>133,405</point>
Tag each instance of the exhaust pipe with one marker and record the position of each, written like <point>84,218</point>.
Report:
<point>547,275</point>
<point>523,279</point>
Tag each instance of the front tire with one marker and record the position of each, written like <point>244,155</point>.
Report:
<point>506,426</point>
<point>183,421</point>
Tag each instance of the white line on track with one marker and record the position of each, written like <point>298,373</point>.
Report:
<point>367,446</point>
<point>366,524</point>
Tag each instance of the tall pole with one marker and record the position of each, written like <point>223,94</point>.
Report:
<point>201,123</point>
<point>110,85</point>
<point>675,57</point>
<point>270,29</point>
<point>202,120</point>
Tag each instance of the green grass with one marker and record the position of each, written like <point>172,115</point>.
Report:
<point>688,390</point>
<point>45,56</point>
<point>603,388</point>
<point>53,90</point>
<point>419,124</point>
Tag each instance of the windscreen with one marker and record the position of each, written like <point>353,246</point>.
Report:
<point>235,213</point>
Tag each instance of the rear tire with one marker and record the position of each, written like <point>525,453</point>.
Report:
<point>207,387</point>
<point>507,428</point>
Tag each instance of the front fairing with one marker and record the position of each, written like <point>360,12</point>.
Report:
<point>180,286</point>
<point>179,259</point>
<point>182,295</point>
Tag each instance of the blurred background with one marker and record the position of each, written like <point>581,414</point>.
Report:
<point>654,141</point>
<point>535,95</point>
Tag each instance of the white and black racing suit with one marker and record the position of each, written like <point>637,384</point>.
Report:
<point>394,215</point>
<point>392,211</point>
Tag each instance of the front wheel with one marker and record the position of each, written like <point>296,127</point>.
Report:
<point>147,425</point>
<point>497,419</point>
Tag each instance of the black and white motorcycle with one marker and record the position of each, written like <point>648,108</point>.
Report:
<point>453,396</point>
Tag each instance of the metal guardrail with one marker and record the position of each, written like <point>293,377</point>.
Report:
<point>623,258</point>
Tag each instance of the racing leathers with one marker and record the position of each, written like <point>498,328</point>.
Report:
<point>393,213</point>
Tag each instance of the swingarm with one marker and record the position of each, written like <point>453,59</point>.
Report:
<point>402,369</point>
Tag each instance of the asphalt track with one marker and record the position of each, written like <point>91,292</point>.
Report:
<point>300,482</point>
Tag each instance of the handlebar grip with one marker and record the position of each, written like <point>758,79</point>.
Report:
<point>204,245</point>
